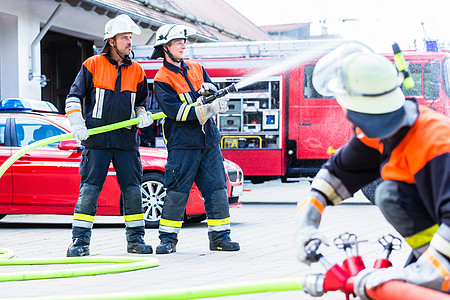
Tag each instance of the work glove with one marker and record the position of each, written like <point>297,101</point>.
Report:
<point>77,123</point>
<point>307,220</point>
<point>425,272</point>
<point>145,117</point>
<point>207,89</point>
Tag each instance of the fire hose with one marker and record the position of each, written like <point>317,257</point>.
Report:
<point>54,139</point>
<point>337,277</point>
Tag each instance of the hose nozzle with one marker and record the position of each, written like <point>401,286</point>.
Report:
<point>220,93</point>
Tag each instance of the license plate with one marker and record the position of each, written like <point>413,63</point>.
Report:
<point>237,190</point>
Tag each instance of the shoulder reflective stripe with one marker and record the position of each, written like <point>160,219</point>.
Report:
<point>186,112</point>
<point>314,202</point>
<point>134,217</point>
<point>440,244</point>
<point>98,107</point>
<point>440,268</point>
<point>170,223</point>
<point>182,98</point>
<point>83,217</point>
<point>219,227</point>
<point>218,222</point>
<point>327,189</point>
<point>180,112</point>
<point>422,238</point>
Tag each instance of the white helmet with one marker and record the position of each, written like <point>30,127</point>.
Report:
<point>360,79</point>
<point>167,33</point>
<point>368,86</point>
<point>120,24</point>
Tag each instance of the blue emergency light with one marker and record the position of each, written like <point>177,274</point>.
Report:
<point>25,104</point>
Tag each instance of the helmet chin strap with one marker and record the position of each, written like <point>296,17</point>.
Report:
<point>125,57</point>
<point>171,56</point>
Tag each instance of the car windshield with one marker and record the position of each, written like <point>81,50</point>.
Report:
<point>30,130</point>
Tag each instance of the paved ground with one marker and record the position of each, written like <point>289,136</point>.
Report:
<point>263,226</point>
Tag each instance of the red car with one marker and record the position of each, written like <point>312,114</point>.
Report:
<point>46,180</point>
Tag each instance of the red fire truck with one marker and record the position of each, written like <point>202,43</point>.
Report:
<point>280,126</point>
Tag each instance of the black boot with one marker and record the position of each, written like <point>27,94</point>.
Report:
<point>220,241</point>
<point>138,246</point>
<point>168,243</point>
<point>79,247</point>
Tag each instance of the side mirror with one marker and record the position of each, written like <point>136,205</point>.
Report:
<point>69,145</point>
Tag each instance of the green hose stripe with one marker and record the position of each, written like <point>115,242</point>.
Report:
<point>263,286</point>
<point>6,253</point>
<point>62,137</point>
<point>122,264</point>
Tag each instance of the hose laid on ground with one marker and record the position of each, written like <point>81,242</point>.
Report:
<point>122,264</point>
<point>263,286</point>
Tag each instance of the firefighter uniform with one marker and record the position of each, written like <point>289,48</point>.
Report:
<point>406,144</point>
<point>413,204</point>
<point>111,93</point>
<point>194,152</point>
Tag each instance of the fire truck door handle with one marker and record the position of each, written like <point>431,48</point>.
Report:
<point>305,124</point>
<point>25,157</point>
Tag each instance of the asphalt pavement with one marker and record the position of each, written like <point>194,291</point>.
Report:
<point>263,226</point>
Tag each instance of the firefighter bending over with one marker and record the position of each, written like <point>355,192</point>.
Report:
<point>192,140</point>
<point>407,144</point>
<point>112,88</point>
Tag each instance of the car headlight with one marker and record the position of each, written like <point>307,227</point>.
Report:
<point>235,175</point>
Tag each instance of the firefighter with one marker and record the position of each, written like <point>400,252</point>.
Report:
<point>407,144</point>
<point>109,88</point>
<point>192,140</point>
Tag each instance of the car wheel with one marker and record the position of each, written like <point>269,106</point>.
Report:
<point>369,190</point>
<point>153,196</point>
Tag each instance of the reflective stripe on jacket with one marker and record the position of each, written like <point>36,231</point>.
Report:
<point>176,88</point>
<point>109,94</point>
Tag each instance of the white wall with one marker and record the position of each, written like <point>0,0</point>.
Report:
<point>9,75</point>
<point>21,22</point>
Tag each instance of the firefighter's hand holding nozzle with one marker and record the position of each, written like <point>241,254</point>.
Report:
<point>307,220</point>
<point>207,89</point>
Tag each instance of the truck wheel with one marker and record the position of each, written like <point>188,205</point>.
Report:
<point>369,190</point>
<point>153,196</point>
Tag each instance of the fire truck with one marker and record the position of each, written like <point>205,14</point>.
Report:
<point>280,126</point>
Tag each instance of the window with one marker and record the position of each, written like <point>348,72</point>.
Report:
<point>431,80</point>
<point>309,92</point>
<point>30,130</point>
<point>2,131</point>
<point>446,70</point>
<point>415,71</point>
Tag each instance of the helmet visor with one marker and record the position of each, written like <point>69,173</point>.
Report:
<point>328,76</point>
